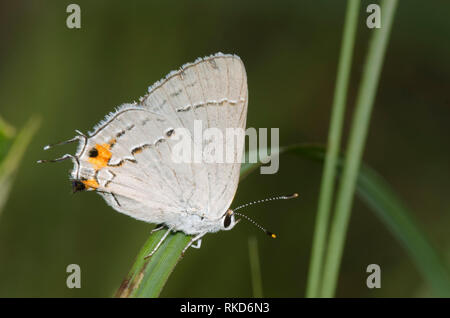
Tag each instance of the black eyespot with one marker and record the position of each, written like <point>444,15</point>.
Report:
<point>77,185</point>
<point>93,153</point>
<point>170,132</point>
<point>227,220</point>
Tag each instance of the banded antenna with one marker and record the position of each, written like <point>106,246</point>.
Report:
<point>283,197</point>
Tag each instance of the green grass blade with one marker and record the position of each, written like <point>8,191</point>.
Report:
<point>147,277</point>
<point>7,132</point>
<point>334,139</point>
<point>379,196</point>
<point>388,207</point>
<point>255,268</point>
<point>13,150</point>
<point>358,132</point>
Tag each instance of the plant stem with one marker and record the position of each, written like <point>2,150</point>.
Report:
<point>358,132</point>
<point>334,139</point>
<point>255,268</point>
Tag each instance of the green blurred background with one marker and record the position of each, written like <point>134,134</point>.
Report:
<point>72,78</point>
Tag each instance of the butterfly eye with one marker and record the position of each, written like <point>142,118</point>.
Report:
<point>227,220</point>
<point>93,153</point>
<point>77,185</point>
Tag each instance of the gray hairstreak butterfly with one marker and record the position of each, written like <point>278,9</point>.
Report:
<point>128,157</point>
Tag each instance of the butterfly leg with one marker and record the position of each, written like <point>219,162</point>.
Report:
<point>160,242</point>
<point>157,228</point>
<point>198,239</point>
<point>198,244</point>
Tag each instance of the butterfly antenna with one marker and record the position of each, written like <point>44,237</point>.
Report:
<point>284,197</point>
<point>272,235</point>
<point>65,157</point>
<point>78,137</point>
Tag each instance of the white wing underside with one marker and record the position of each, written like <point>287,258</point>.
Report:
<point>141,179</point>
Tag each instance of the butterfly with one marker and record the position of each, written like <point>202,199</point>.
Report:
<point>128,157</point>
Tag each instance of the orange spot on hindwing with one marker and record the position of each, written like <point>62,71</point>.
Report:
<point>99,155</point>
<point>90,184</point>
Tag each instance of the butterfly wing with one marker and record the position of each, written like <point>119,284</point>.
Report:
<point>212,90</point>
<point>128,158</point>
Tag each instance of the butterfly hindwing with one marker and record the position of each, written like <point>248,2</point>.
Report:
<point>128,158</point>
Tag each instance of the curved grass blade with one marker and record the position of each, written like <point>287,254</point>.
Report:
<point>380,197</point>
<point>147,277</point>
<point>383,200</point>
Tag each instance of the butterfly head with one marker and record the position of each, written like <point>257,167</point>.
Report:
<point>228,220</point>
